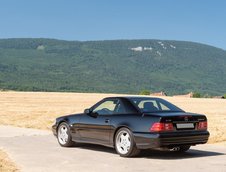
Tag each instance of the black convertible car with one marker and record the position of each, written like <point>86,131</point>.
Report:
<point>130,124</point>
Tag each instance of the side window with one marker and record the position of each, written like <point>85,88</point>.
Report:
<point>164,107</point>
<point>148,106</point>
<point>107,107</point>
<point>114,106</point>
<point>124,107</point>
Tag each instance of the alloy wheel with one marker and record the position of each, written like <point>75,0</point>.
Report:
<point>63,134</point>
<point>123,142</point>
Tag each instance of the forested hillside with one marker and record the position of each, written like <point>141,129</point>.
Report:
<point>118,66</point>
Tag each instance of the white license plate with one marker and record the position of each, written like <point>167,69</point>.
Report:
<point>186,125</point>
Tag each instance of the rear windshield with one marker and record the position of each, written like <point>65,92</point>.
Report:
<point>146,104</point>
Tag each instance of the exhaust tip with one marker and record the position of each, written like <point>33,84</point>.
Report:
<point>175,149</point>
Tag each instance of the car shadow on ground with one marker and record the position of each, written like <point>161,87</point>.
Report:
<point>96,148</point>
<point>165,155</point>
<point>156,154</point>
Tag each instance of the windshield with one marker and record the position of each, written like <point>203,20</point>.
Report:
<point>146,104</point>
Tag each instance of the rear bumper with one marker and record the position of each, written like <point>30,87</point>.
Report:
<point>157,140</point>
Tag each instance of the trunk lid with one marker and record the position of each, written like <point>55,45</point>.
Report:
<point>180,120</point>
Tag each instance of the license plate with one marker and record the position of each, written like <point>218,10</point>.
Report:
<point>186,125</point>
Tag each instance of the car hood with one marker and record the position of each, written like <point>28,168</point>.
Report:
<point>67,116</point>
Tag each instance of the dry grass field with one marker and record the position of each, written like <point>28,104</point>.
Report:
<point>6,165</point>
<point>38,109</point>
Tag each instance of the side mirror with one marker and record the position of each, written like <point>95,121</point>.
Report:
<point>90,113</point>
<point>93,114</point>
<point>87,111</point>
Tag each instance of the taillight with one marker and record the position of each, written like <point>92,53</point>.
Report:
<point>202,125</point>
<point>158,126</point>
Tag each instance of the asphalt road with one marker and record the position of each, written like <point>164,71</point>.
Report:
<point>38,151</point>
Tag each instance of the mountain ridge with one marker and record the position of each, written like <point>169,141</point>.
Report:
<point>111,66</point>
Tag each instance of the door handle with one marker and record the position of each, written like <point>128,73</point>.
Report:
<point>107,120</point>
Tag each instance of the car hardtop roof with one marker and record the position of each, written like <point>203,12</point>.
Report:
<point>130,97</point>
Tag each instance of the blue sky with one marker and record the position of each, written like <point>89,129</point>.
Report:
<point>191,20</point>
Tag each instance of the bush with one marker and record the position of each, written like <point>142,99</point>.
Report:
<point>196,95</point>
<point>145,92</point>
<point>207,96</point>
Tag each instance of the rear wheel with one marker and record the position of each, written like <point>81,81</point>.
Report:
<point>125,144</point>
<point>63,135</point>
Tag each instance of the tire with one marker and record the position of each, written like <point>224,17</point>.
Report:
<point>184,148</point>
<point>124,143</point>
<point>64,136</point>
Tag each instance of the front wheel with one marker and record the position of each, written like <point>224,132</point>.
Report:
<point>124,143</point>
<point>64,136</point>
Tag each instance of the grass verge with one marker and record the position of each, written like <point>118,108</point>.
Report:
<point>6,164</point>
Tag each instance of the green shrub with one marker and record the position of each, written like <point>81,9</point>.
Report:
<point>196,95</point>
<point>207,96</point>
<point>145,92</point>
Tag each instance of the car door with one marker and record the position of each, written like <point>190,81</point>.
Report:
<point>97,128</point>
